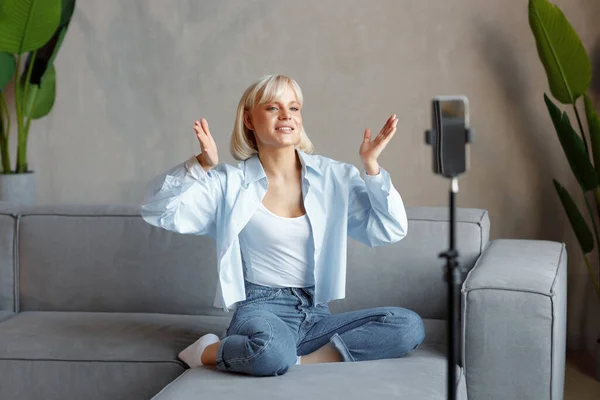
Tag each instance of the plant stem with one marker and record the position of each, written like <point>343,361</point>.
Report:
<point>24,127</point>
<point>18,108</point>
<point>4,135</point>
<point>28,77</point>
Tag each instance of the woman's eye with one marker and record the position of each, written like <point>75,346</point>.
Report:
<point>273,107</point>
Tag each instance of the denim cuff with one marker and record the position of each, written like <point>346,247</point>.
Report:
<point>339,344</point>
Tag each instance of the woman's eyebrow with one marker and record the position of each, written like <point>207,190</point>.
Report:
<point>279,102</point>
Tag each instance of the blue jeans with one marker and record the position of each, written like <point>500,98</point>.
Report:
<point>274,325</point>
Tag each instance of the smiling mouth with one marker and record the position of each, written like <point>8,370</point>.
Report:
<point>285,130</point>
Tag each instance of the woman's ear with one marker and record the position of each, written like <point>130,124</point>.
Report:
<point>247,120</point>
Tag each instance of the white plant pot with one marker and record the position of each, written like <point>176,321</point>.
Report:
<point>18,188</point>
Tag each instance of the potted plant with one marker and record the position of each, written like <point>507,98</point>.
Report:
<point>569,74</point>
<point>31,32</point>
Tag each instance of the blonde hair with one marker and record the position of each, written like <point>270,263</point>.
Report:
<point>266,89</point>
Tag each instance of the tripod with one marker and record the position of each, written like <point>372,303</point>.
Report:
<point>448,137</point>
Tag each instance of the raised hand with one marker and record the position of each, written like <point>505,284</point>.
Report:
<point>370,150</point>
<point>209,156</point>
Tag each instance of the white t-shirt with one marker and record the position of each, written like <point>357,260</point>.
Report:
<point>277,251</point>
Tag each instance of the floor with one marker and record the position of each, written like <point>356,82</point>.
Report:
<point>580,383</point>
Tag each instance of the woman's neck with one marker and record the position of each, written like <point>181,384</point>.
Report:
<point>280,164</point>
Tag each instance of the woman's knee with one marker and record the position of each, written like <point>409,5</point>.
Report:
<point>410,326</point>
<point>271,341</point>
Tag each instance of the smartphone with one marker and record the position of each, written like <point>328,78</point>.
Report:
<point>449,135</point>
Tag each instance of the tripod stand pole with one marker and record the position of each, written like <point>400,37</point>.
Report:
<point>453,277</point>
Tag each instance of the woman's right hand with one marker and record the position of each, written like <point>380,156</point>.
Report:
<point>209,157</point>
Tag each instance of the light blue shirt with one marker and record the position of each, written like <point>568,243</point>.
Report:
<point>219,203</point>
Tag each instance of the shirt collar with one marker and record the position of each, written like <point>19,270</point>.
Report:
<point>253,169</point>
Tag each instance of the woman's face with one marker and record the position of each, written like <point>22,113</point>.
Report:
<point>278,123</point>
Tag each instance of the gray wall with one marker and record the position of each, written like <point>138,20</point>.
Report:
<point>133,76</point>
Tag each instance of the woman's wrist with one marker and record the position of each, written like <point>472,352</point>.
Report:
<point>204,167</point>
<point>371,167</point>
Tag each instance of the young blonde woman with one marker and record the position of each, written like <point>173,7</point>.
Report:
<point>281,220</point>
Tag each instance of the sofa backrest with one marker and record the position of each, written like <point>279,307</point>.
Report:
<point>410,273</point>
<point>108,259</point>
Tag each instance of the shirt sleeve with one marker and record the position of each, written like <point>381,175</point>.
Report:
<point>185,199</point>
<point>376,214</point>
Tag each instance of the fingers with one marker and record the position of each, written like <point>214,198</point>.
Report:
<point>204,123</point>
<point>201,128</point>
<point>390,126</point>
<point>387,131</point>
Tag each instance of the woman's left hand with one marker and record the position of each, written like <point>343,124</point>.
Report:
<point>370,150</point>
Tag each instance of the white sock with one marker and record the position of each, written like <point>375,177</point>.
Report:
<point>192,355</point>
<point>298,360</point>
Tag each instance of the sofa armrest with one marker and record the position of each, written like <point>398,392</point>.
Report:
<point>514,311</point>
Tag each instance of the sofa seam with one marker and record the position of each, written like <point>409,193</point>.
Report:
<point>80,215</point>
<point>465,312</point>
<point>551,348</point>
<point>483,213</point>
<point>480,224</point>
<point>562,250</point>
<point>553,324</point>
<point>443,221</point>
<point>171,383</point>
<point>16,266</point>
<point>509,290</point>
<point>91,360</point>
<point>464,340</point>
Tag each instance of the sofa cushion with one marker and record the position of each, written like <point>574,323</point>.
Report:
<point>82,336</point>
<point>105,355</point>
<point>70,355</point>
<point>102,336</point>
<point>419,375</point>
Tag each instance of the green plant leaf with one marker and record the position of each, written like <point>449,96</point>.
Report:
<point>7,68</point>
<point>594,128</point>
<point>40,98</point>
<point>26,25</point>
<point>580,227</point>
<point>573,147</point>
<point>45,55</point>
<point>565,60</point>
<point>67,9</point>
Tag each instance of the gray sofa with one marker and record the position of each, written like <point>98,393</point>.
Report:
<point>96,304</point>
